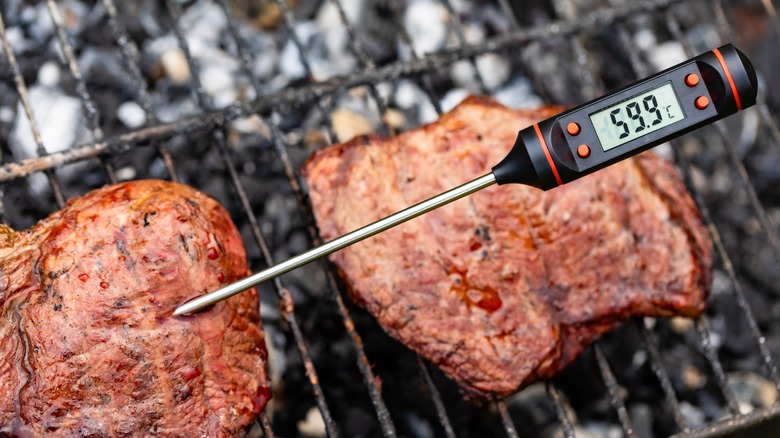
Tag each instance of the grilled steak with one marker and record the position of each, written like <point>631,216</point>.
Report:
<point>88,343</point>
<point>509,285</point>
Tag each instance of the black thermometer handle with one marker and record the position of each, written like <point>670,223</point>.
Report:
<point>638,117</point>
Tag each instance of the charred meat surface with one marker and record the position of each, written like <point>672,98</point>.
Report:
<point>88,343</point>
<point>509,285</point>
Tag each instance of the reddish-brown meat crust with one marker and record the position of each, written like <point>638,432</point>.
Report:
<point>510,284</point>
<point>88,343</point>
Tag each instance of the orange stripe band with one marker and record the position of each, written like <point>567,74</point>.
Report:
<point>728,76</point>
<point>547,154</point>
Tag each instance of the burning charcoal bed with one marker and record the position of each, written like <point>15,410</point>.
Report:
<point>233,96</point>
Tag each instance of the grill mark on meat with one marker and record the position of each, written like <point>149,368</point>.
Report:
<point>64,270</point>
<point>454,351</point>
<point>146,217</point>
<point>192,203</point>
<point>121,243</point>
<point>120,239</point>
<point>183,241</point>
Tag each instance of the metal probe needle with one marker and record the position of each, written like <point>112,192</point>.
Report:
<point>337,244</point>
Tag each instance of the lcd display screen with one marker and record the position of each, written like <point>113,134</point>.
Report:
<point>637,116</point>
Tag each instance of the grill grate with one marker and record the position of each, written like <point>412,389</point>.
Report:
<point>323,93</point>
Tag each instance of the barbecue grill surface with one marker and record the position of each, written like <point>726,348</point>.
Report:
<point>232,97</point>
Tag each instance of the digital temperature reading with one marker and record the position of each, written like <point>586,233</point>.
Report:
<point>637,116</point>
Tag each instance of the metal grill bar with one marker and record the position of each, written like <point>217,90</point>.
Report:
<point>357,51</point>
<point>588,77</point>
<point>615,397</point>
<point>700,323</point>
<point>2,206</point>
<point>285,298</point>
<point>435,394</point>
<point>663,377</point>
<point>552,391</point>
<point>560,410</point>
<point>640,70</point>
<point>204,102</point>
<point>284,294</point>
<point>506,419</point>
<point>457,26</point>
<point>289,26</point>
<point>90,110</point>
<point>763,217</point>
<point>383,415</point>
<point>441,410</point>
<point>761,104</point>
<point>128,52</point>
<point>244,56</point>
<point>702,330</point>
<point>406,39</point>
<point>772,12</point>
<point>265,425</point>
<point>315,91</point>
<point>288,167</point>
<point>506,8</point>
<point>715,234</point>
<point>766,227</point>
<point>738,293</point>
<point>21,89</point>
<point>362,360</point>
<point>711,356</point>
<point>740,425</point>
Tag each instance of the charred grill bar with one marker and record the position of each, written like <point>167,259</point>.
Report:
<point>322,95</point>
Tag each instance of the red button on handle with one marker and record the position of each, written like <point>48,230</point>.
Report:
<point>702,102</point>
<point>692,80</point>
<point>583,151</point>
<point>573,128</point>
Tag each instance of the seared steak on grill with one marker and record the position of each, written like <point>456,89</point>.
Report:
<point>88,343</point>
<point>510,284</point>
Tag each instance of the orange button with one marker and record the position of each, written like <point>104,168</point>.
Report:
<point>692,80</point>
<point>573,128</point>
<point>702,102</point>
<point>583,151</point>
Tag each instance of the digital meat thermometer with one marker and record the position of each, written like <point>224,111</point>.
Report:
<point>575,143</point>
